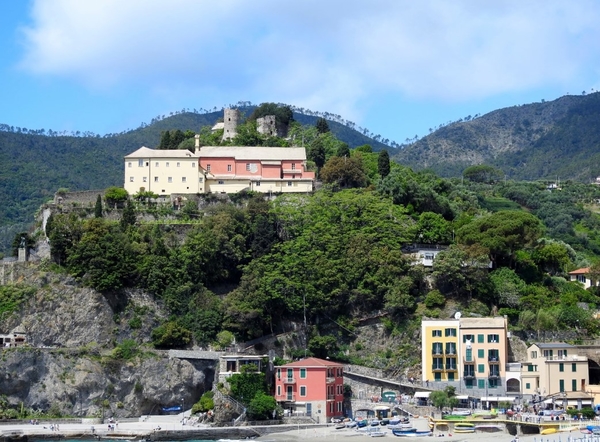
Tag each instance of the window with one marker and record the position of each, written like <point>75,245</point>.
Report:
<point>200,179</point>
<point>183,179</point>
<point>450,332</point>
<point>451,376</point>
<point>527,386</point>
<point>532,368</point>
<point>221,182</point>
<point>561,384</point>
<point>534,355</point>
<point>279,373</point>
<point>339,407</point>
<point>208,167</point>
<point>493,383</point>
<point>469,383</point>
<point>167,164</point>
<point>581,278</point>
<point>258,183</point>
<point>561,367</point>
<point>279,390</point>
<point>229,168</point>
<point>480,383</point>
<point>303,390</point>
<point>156,179</point>
<point>436,333</point>
<point>193,164</point>
<point>437,376</point>
<point>574,385</point>
<point>145,179</point>
<point>131,179</point>
<point>303,373</point>
<point>178,164</point>
<point>480,339</point>
<point>480,368</point>
<point>481,353</point>
<point>289,184</point>
<point>438,364</point>
<point>437,348</point>
<point>562,353</point>
<point>450,348</point>
<point>293,177</point>
<point>129,164</point>
<point>156,164</point>
<point>140,163</point>
<point>470,338</point>
<point>170,180</point>
<point>293,166</point>
<point>450,363</point>
<point>573,367</point>
<point>493,355</point>
<point>469,356</point>
<point>493,339</point>
<point>548,354</point>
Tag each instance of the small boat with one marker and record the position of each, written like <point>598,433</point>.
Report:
<point>424,433</point>
<point>549,431</point>
<point>377,433</point>
<point>464,427</point>
<point>340,426</point>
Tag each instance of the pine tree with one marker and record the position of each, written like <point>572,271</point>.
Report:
<point>322,126</point>
<point>128,217</point>
<point>165,140</point>
<point>383,163</point>
<point>98,208</point>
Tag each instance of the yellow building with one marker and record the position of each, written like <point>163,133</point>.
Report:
<point>439,351</point>
<point>467,353</point>
<point>553,371</point>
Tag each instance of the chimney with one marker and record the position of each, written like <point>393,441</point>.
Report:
<point>197,137</point>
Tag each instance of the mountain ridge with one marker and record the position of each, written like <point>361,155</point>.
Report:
<point>528,142</point>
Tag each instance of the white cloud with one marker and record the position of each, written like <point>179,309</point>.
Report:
<point>324,55</point>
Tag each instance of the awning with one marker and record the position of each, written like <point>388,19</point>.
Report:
<point>381,408</point>
<point>422,394</point>
<point>463,397</point>
<point>497,399</point>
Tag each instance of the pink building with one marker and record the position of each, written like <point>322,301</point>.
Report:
<point>312,386</point>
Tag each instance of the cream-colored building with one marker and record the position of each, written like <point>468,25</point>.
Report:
<point>467,353</point>
<point>218,169</point>
<point>554,370</point>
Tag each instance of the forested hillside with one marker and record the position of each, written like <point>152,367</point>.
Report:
<point>546,140</point>
<point>250,267</point>
<point>35,164</point>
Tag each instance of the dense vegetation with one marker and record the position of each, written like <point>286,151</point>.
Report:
<point>35,164</point>
<point>250,266</point>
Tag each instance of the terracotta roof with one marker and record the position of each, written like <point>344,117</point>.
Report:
<point>583,271</point>
<point>313,362</point>
<point>145,152</point>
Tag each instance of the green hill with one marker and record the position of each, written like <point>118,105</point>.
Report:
<point>34,166</point>
<point>560,138</point>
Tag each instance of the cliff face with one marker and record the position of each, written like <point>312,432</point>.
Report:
<point>84,383</point>
<point>71,332</point>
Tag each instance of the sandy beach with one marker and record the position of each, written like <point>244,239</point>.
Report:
<point>171,428</point>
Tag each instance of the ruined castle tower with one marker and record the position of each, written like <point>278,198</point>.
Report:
<point>230,122</point>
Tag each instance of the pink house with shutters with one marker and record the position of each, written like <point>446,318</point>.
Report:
<point>311,386</point>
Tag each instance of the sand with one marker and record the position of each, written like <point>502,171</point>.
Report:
<point>139,429</point>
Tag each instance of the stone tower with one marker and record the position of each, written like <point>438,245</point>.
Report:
<point>231,120</point>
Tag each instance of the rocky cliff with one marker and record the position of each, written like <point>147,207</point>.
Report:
<point>68,363</point>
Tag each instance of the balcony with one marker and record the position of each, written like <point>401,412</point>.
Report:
<point>289,380</point>
<point>451,351</point>
<point>495,360</point>
<point>494,375</point>
<point>437,367</point>
<point>451,367</point>
<point>470,359</point>
<point>290,397</point>
<point>331,397</point>
<point>329,380</point>
<point>469,375</point>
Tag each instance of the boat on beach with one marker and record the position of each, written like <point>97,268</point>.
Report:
<point>424,433</point>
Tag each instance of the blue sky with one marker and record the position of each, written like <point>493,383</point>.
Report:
<point>396,67</point>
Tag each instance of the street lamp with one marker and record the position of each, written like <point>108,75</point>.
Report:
<point>183,406</point>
